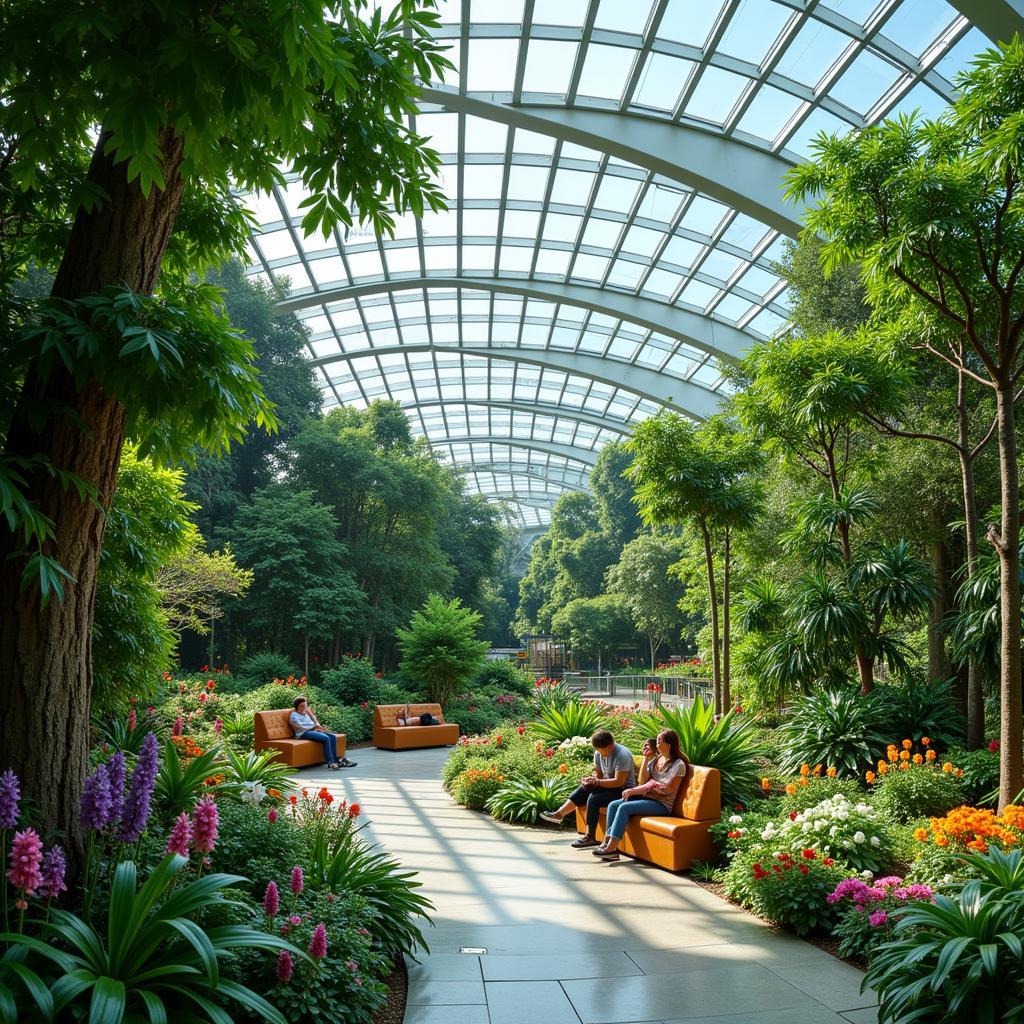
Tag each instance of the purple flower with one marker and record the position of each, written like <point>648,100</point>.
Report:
<point>140,790</point>
<point>284,966</point>
<point>297,880</point>
<point>53,871</point>
<point>878,918</point>
<point>10,794</point>
<point>271,899</point>
<point>95,805</point>
<point>205,820</point>
<point>115,776</point>
<point>318,943</point>
<point>181,836</point>
<point>26,861</point>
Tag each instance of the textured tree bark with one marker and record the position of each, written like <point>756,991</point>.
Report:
<point>46,653</point>
<point>1007,543</point>
<point>939,666</point>
<point>716,665</point>
<point>726,696</point>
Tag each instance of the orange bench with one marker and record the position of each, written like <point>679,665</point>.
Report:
<point>391,736</point>
<point>272,731</point>
<point>673,841</point>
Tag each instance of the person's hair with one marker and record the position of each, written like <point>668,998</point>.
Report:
<point>602,738</point>
<point>297,702</point>
<point>672,740</point>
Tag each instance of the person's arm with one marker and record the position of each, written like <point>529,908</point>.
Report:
<point>671,786</point>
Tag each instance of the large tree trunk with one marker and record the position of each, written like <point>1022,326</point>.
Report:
<point>939,666</point>
<point>726,696</point>
<point>865,668</point>
<point>1007,543</point>
<point>716,668</point>
<point>46,653</point>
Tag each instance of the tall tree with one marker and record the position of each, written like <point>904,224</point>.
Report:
<point>932,211</point>
<point>189,107</point>
<point>612,492</point>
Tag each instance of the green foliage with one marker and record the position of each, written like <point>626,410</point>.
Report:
<point>958,959</point>
<point>818,788</point>
<point>504,676</point>
<point>555,695</point>
<point>729,744</point>
<point>256,768</point>
<point>180,783</point>
<point>592,626</point>
<point>922,791</point>
<point>150,959</point>
<point>262,668</point>
<point>475,785</point>
<point>916,708</point>
<point>474,713</point>
<point>440,646</point>
<point>522,801</point>
<point>553,725</point>
<point>981,772</point>
<point>249,842</point>
<point>351,682</point>
<point>836,728</point>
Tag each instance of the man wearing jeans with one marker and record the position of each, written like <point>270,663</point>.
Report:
<point>306,726</point>
<point>614,771</point>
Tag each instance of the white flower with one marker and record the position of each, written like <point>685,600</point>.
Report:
<point>735,819</point>
<point>820,823</point>
<point>833,832</point>
<point>806,826</point>
<point>875,841</point>
<point>859,837</point>
<point>768,832</point>
<point>867,874</point>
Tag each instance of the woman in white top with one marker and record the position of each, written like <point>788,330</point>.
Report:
<point>661,774</point>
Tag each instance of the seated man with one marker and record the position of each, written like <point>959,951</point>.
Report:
<point>614,771</point>
<point>306,726</point>
<point>406,719</point>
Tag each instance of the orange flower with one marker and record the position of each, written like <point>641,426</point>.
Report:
<point>870,776</point>
<point>941,841</point>
<point>925,741</point>
<point>766,784</point>
<point>817,770</point>
<point>563,769</point>
<point>1013,815</point>
<point>907,744</point>
<point>947,767</point>
<point>918,759</point>
<point>883,768</point>
<point>803,780</point>
<point>904,765</point>
<point>354,810</point>
<point>831,772</point>
<point>978,844</point>
<point>805,769</point>
<point>791,789</point>
<point>275,793</point>
<point>921,835</point>
<point>930,756</point>
<point>904,755</point>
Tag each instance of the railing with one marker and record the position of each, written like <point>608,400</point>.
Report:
<point>683,688</point>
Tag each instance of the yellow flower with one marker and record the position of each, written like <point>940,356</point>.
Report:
<point>870,776</point>
<point>883,768</point>
<point>892,754</point>
<point>947,767</point>
<point>904,755</point>
<point>921,835</point>
<point>766,784</point>
<point>791,789</point>
<point>831,772</point>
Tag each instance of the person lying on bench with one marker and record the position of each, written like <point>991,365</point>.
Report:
<point>614,770</point>
<point>306,726</point>
<point>661,774</point>
<point>406,719</point>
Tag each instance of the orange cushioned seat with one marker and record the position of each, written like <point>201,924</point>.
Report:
<point>272,731</point>
<point>388,735</point>
<point>673,841</point>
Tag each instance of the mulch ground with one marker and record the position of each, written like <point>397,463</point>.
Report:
<point>393,1011</point>
<point>824,942</point>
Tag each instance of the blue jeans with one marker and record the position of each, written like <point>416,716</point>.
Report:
<point>620,811</point>
<point>328,739</point>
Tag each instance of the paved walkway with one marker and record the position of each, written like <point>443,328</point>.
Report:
<point>570,940</point>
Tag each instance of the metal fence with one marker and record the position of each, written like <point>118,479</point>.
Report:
<point>682,689</point>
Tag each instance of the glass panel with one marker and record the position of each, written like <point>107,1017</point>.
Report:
<point>605,71</point>
<point>915,24</point>
<point>689,21</point>
<point>662,81</point>
<point>716,95</point>
<point>856,10</point>
<point>818,121</point>
<point>521,224</point>
<point>864,82</point>
<point>560,12</point>
<point>500,11</point>
<point>492,65</point>
<point>768,113</point>
<point>484,136</point>
<point>623,17</point>
<point>814,50</point>
<point>549,65</point>
<point>527,183</point>
<point>754,29</point>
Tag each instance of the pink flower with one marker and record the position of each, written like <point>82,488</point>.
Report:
<point>295,920</point>
<point>26,861</point>
<point>357,981</point>
<point>181,836</point>
<point>297,880</point>
<point>878,918</point>
<point>133,720</point>
<point>179,724</point>
<point>205,820</point>
<point>218,727</point>
<point>271,815</point>
<point>271,899</point>
<point>352,965</point>
<point>318,944</point>
<point>285,966</point>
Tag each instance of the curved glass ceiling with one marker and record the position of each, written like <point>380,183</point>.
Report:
<point>612,169</point>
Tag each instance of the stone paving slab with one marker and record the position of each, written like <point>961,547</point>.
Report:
<point>569,939</point>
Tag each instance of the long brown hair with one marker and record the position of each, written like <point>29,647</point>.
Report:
<point>674,753</point>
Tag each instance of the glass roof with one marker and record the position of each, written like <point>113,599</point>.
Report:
<point>570,292</point>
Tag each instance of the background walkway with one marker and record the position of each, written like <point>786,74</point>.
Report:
<point>570,940</point>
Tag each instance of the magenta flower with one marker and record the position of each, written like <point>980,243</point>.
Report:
<point>179,725</point>
<point>115,776</point>
<point>878,918</point>
<point>271,899</point>
<point>133,720</point>
<point>26,860</point>
<point>205,820</point>
<point>181,836</point>
<point>318,944</point>
<point>53,871</point>
<point>140,790</point>
<point>297,880</point>
<point>271,815</point>
<point>285,966</point>
<point>95,804</point>
<point>10,794</point>
<point>218,726</point>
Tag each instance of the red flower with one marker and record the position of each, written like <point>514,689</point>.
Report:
<point>808,854</point>
<point>993,746</point>
<point>205,668</point>
<point>293,799</point>
<point>210,684</point>
<point>804,870</point>
<point>828,862</point>
<point>734,834</point>
<point>549,752</point>
<point>792,815</point>
<point>354,811</point>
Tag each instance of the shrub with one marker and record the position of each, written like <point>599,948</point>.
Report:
<point>812,789</point>
<point>473,713</point>
<point>548,693</point>
<point>728,744</point>
<point>553,724</point>
<point>839,728</point>
<point>958,959</point>
<point>249,843</point>
<point>520,800</point>
<point>919,709</point>
<point>260,669</point>
<point>504,676</point>
<point>918,791</point>
<point>473,787</point>
<point>353,681</point>
<point>981,772</point>
<point>866,911</point>
<point>975,828</point>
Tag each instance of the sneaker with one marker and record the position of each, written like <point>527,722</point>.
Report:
<point>608,855</point>
<point>344,762</point>
<point>583,843</point>
<point>598,851</point>
<point>550,817</point>
<point>334,766</point>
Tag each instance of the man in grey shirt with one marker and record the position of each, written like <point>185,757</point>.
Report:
<point>614,771</point>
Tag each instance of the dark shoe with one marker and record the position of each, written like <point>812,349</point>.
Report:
<point>334,766</point>
<point>583,843</point>
<point>608,855</point>
<point>344,762</point>
<point>598,851</point>
<point>550,817</point>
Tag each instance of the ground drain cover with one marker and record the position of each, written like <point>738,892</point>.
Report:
<point>475,950</point>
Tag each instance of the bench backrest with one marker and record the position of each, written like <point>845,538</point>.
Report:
<point>385,716</point>
<point>699,798</point>
<point>272,725</point>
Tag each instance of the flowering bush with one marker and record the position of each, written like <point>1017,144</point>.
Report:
<point>918,787</point>
<point>866,910</point>
<point>853,833</point>
<point>475,786</point>
<point>981,772</point>
<point>975,828</point>
<point>807,790</point>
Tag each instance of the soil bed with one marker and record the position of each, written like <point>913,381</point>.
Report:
<point>393,1011</point>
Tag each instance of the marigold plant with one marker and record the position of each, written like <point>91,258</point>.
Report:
<point>976,828</point>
